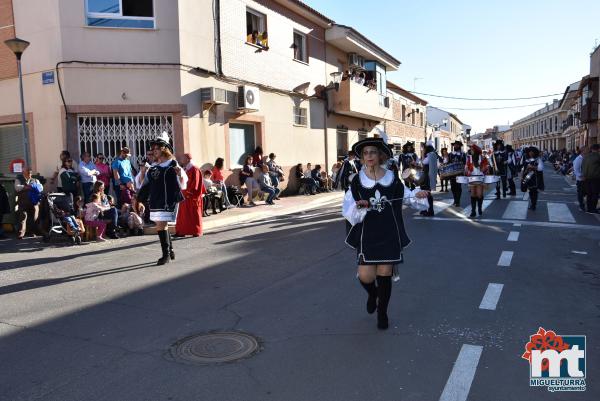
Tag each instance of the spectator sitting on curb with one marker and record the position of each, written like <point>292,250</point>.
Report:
<point>309,183</point>
<point>93,210</point>
<point>275,171</point>
<point>247,178</point>
<point>109,213</point>
<point>315,174</point>
<point>219,181</point>
<point>266,185</point>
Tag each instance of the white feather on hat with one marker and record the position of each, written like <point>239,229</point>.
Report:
<point>429,143</point>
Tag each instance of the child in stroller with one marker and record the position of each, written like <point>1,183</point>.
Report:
<point>63,219</point>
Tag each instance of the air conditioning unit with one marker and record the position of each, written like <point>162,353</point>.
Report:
<point>248,98</point>
<point>213,95</point>
<point>355,61</point>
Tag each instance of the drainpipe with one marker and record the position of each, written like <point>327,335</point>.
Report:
<point>326,113</point>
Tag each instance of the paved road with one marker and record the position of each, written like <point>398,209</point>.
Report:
<point>95,322</point>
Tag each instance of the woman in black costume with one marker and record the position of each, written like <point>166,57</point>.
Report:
<point>373,206</point>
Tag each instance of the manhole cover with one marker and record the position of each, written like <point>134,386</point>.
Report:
<point>214,347</point>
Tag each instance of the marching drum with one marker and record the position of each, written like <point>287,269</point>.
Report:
<point>412,175</point>
<point>451,170</point>
<point>477,179</point>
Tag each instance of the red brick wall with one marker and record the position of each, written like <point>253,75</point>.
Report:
<point>8,63</point>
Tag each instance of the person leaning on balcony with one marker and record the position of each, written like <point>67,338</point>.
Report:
<point>247,178</point>
<point>591,175</point>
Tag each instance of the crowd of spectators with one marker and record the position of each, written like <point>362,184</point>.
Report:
<point>104,196</point>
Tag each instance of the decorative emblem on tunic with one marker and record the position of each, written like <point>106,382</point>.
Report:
<point>378,202</point>
<point>154,173</point>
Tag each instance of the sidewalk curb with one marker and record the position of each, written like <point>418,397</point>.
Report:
<point>264,212</point>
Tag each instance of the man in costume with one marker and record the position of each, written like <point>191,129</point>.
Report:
<point>511,170</point>
<point>456,156</point>
<point>350,167</point>
<point>408,159</point>
<point>189,214</point>
<point>533,176</point>
<point>499,163</point>
<point>430,172</point>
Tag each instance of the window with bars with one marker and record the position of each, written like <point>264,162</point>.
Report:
<point>120,13</point>
<point>107,134</point>
<point>342,141</point>
<point>300,116</point>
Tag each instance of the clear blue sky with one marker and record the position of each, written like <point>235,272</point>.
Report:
<point>481,49</point>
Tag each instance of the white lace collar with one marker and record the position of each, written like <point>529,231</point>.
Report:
<point>367,182</point>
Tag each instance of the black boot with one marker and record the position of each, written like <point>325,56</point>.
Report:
<point>171,251</point>
<point>384,291</point>
<point>473,207</point>
<point>371,289</point>
<point>164,244</point>
<point>479,206</point>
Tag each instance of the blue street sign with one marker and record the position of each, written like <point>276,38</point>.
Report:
<point>47,77</point>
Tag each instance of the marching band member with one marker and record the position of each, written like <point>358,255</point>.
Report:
<point>511,170</point>
<point>499,158</point>
<point>444,159</point>
<point>373,206</point>
<point>533,176</point>
<point>457,156</point>
<point>162,188</point>
<point>409,159</point>
<point>430,172</point>
<point>476,166</point>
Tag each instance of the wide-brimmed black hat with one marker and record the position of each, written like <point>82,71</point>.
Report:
<point>163,141</point>
<point>499,142</point>
<point>406,145</point>
<point>377,142</point>
<point>457,142</point>
<point>535,150</point>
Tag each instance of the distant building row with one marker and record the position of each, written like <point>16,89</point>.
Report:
<point>567,123</point>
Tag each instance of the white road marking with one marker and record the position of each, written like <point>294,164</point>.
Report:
<point>484,205</point>
<point>559,212</point>
<point>513,236</point>
<point>459,383</point>
<point>440,206</point>
<point>580,252</point>
<point>526,196</point>
<point>491,296</point>
<point>516,210</point>
<point>526,223</point>
<point>505,258</point>
<point>517,225</point>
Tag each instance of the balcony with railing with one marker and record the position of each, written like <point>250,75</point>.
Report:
<point>357,100</point>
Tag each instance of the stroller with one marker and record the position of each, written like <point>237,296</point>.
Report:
<point>62,221</point>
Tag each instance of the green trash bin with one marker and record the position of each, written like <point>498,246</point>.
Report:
<point>9,220</point>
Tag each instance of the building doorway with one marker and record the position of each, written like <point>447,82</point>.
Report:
<point>242,142</point>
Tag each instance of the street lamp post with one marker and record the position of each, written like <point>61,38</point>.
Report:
<point>18,46</point>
